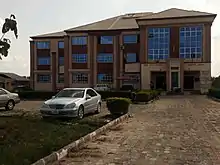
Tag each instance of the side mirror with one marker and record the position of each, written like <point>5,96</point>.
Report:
<point>88,97</point>
<point>53,97</point>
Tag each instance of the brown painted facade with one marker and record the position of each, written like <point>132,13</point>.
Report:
<point>118,68</point>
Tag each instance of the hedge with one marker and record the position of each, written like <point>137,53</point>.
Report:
<point>118,105</point>
<point>146,95</point>
<point>214,92</point>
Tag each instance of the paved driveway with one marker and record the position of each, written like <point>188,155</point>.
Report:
<point>175,130</point>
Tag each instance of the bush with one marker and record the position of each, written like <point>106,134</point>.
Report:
<point>36,95</point>
<point>118,105</point>
<point>214,92</point>
<point>107,94</point>
<point>146,95</point>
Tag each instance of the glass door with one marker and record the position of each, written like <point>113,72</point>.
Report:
<point>174,79</point>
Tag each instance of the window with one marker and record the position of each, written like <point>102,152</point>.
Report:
<point>91,93</point>
<point>131,57</point>
<point>43,60</point>
<point>105,58</point>
<point>82,40</point>
<point>61,45</point>
<point>80,78</point>
<point>44,78</point>
<point>105,78</point>
<point>106,40</point>
<point>61,78</point>
<point>191,42</point>
<point>158,43</point>
<point>79,58</point>
<point>130,39</point>
<point>61,60</point>
<point>2,92</point>
<point>43,45</point>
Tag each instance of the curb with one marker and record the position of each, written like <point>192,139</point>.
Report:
<point>213,98</point>
<point>57,155</point>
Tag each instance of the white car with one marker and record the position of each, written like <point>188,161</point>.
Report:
<point>8,99</point>
<point>72,102</point>
<point>102,87</point>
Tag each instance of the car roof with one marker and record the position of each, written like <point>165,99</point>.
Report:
<point>76,88</point>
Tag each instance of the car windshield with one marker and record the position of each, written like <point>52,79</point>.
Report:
<point>71,93</point>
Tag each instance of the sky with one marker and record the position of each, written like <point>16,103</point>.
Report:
<point>38,17</point>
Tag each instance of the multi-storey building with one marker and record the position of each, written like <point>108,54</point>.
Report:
<point>171,48</point>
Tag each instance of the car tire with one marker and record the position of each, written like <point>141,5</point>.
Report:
<point>80,112</point>
<point>10,105</point>
<point>98,110</point>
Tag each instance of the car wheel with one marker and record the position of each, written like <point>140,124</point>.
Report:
<point>98,110</point>
<point>10,105</point>
<point>80,112</point>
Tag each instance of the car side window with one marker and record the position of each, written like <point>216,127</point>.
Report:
<point>91,93</point>
<point>2,92</point>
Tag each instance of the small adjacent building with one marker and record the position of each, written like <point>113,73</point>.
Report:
<point>171,48</point>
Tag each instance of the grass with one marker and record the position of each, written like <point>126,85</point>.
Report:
<point>24,140</point>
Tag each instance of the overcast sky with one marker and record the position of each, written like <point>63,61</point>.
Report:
<point>42,16</point>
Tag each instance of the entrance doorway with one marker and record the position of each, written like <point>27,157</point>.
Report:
<point>159,80</point>
<point>174,79</point>
<point>188,82</point>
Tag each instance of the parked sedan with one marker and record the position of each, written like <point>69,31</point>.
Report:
<point>72,102</point>
<point>8,99</point>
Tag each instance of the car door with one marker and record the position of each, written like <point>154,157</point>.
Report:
<point>88,103</point>
<point>3,98</point>
<point>94,99</point>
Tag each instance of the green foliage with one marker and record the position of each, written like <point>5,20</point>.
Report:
<point>146,95</point>
<point>118,105</point>
<point>214,92</point>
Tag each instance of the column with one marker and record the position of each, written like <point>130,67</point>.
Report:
<point>32,64</point>
<point>66,61</point>
<point>54,71</point>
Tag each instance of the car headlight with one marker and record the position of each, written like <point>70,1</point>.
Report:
<point>45,106</point>
<point>72,105</point>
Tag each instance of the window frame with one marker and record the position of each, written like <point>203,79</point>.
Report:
<point>38,78</point>
<point>104,57</point>
<point>130,42</point>
<point>75,75</point>
<point>81,57</point>
<point>80,40</point>
<point>104,40</point>
<point>158,48</point>
<point>59,42</point>
<point>194,42</point>
<point>48,58</point>
<point>45,45</point>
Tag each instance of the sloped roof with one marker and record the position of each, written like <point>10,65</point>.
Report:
<point>55,34</point>
<point>14,76</point>
<point>128,21</point>
<point>174,12</point>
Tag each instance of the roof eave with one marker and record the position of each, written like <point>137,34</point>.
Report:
<point>200,16</point>
<point>47,37</point>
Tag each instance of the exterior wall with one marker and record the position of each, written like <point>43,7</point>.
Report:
<point>7,83</point>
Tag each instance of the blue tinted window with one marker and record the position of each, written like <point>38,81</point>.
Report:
<point>158,43</point>
<point>129,39</point>
<point>43,61</point>
<point>190,42</point>
<point>81,40</point>
<point>106,39</point>
<point>105,58</point>
<point>43,45</point>
<point>61,60</point>
<point>44,78</point>
<point>131,57</point>
<point>104,78</point>
<point>79,58</point>
<point>61,45</point>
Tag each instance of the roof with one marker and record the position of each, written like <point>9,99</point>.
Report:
<point>176,13</point>
<point>55,34</point>
<point>129,21</point>
<point>14,76</point>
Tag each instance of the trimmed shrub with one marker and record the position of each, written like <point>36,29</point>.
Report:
<point>214,92</point>
<point>118,105</point>
<point>143,96</point>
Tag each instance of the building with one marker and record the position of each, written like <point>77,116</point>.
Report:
<point>172,48</point>
<point>10,81</point>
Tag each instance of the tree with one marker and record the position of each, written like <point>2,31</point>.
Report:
<point>10,24</point>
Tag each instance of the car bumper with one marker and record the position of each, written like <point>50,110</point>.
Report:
<point>59,113</point>
<point>17,101</point>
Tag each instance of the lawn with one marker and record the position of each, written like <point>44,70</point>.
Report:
<point>24,140</point>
